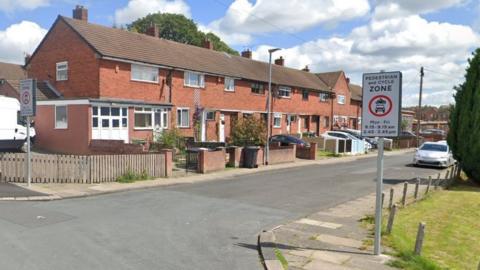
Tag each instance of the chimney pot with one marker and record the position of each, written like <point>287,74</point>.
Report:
<point>306,69</point>
<point>348,80</point>
<point>247,54</point>
<point>153,30</point>
<point>80,13</point>
<point>280,61</point>
<point>208,44</point>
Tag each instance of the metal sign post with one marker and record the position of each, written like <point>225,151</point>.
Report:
<point>381,117</point>
<point>27,109</point>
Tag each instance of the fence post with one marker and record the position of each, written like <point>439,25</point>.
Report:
<point>404,197</point>
<point>429,184</point>
<point>459,170</point>
<point>391,218</point>
<point>446,177</point>
<point>437,182</point>
<point>383,198</point>
<point>417,184</point>
<point>419,240</point>
<point>390,203</point>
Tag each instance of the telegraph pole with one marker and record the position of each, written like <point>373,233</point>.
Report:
<point>419,111</point>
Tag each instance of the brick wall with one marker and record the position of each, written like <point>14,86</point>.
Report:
<point>282,154</point>
<point>307,152</point>
<point>350,109</point>
<point>114,147</point>
<point>63,44</point>
<point>7,90</point>
<point>209,161</point>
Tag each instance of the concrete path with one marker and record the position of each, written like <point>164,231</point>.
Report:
<point>334,238</point>
<point>12,191</point>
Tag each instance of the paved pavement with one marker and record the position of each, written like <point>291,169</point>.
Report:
<point>208,225</point>
<point>11,190</point>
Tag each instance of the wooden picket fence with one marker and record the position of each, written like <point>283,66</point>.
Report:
<point>51,168</point>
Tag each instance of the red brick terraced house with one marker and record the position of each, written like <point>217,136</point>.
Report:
<point>347,102</point>
<point>123,86</point>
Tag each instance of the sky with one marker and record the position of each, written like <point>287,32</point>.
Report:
<point>357,36</point>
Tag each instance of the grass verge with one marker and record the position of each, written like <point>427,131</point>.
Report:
<point>130,177</point>
<point>321,153</point>
<point>452,231</point>
<point>281,258</point>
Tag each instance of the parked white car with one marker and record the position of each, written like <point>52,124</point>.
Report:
<point>13,133</point>
<point>435,154</point>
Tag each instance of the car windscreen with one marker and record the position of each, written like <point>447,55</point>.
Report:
<point>434,147</point>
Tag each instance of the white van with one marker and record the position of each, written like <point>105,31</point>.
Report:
<point>13,133</point>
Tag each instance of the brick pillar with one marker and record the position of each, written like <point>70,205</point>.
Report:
<point>201,166</point>
<point>294,152</point>
<point>168,162</point>
<point>235,154</point>
<point>313,150</point>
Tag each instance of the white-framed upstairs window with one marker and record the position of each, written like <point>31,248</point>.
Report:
<point>341,99</point>
<point>61,117</point>
<point>277,120</point>
<point>143,73</point>
<point>323,97</point>
<point>229,84</point>
<point>194,79</point>
<point>183,117</point>
<point>61,71</point>
<point>284,91</point>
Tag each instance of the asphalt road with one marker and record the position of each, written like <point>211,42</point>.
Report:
<point>11,190</point>
<point>209,225</point>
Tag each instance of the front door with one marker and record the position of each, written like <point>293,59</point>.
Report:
<point>221,128</point>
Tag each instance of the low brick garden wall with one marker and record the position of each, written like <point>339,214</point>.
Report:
<point>307,152</point>
<point>211,160</point>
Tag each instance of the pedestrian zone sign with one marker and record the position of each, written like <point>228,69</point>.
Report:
<point>382,104</point>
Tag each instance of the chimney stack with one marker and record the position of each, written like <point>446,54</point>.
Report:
<point>80,13</point>
<point>247,54</point>
<point>208,44</point>
<point>153,30</point>
<point>306,69</point>
<point>348,80</point>
<point>280,61</point>
<point>27,58</point>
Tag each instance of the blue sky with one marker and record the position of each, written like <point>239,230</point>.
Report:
<point>356,36</point>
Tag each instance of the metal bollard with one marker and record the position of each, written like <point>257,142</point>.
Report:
<point>390,203</point>
<point>391,218</point>
<point>419,240</point>
<point>417,185</point>
<point>404,197</point>
<point>429,184</point>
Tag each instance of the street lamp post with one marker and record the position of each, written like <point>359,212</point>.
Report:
<point>269,98</point>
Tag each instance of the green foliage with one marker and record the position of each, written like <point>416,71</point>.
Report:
<point>281,258</point>
<point>464,128</point>
<point>178,28</point>
<point>129,177</point>
<point>408,260</point>
<point>170,138</point>
<point>404,124</point>
<point>249,131</point>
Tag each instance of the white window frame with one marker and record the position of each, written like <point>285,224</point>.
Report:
<point>229,84</point>
<point>57,126</point>
<point>59,69</point>
<point>303,93</point>
<point>259,86</point>
<point>323,97</point>
<point>122,116</point>
<point>141,110</point>
<point>186,79</point>
<point>145,71</point>
<point>179,120</point>
<point>341,99</point>
<point>284,92</point>
<point>277,116</point>
<point>209,119</point>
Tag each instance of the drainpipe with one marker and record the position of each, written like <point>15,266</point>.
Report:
<point>331,113</point>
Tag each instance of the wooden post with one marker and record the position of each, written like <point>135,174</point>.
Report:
<point>417,184</point>
<point>446,177</point>
<point>459,170</point>
<point>390,203</point>
<point>404,198</point>
<point>391,218</point>
<point>429,184</point>
<point>419,240</point>
<point>437,182</point>
<point>383,198</point>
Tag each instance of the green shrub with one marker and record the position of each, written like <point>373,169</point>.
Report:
<point>249,131</point>
<point>170,138</point>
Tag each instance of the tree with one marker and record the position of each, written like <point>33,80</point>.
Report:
<point>178,28</point>
<point>464,134</point>
<point>249,131</point>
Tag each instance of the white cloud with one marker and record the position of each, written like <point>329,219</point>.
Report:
<point>19,39</point>
<point>403,44</point>
<point>244,18</point>
<point>12,5</point>
<point>139,8</point>
<point>421,6</point>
